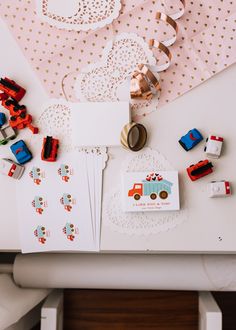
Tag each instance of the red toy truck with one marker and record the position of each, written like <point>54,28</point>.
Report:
<point>49,151</point>
<point>202,168</point>
<point>10,88</point>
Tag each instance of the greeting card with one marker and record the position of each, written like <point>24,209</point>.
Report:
<point>150,191</point>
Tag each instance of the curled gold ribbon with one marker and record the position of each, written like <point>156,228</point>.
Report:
<point>126,137</point>
<point>141,81</point>
<point>159,45</point>
<point>143,78</point>
<point>139,87</point>
<point>167,19</point>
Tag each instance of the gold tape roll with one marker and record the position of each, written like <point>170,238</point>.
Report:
<point>126,136</point>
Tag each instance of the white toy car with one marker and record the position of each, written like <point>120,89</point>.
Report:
<point>219,189</point>
<point>10,168</point>
<point>213,146</point>
<point>6,133</point>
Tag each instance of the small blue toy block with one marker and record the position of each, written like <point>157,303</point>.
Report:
<point>191,139</point>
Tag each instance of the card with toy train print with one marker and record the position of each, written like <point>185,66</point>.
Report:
<point>150,191</point>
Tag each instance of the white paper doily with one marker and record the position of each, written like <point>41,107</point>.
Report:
<point>109,79</point>
<point>141,223</point>
<point>55,120</point>
<point>79,15</point>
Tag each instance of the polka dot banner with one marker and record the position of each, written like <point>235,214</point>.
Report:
<point>206,42</point>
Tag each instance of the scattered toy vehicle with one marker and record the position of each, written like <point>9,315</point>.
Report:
<point>6,133</point>
<point>11,89</point>
<point>2,119</point>
<point>197,171</point>
<point>67,201</point>
<point>14,107</point>
<point>219,189</point>
<point>50,147</point>
<point>213,146</point>
<point>151,188</point>
<point>191,139</point>
<point>22,121</point>
<point>40,233</point>
<point>70,231</point>
<point>21,152</point>
<point>10,168</point>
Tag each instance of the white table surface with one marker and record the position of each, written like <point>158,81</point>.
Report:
<point>209,107</point>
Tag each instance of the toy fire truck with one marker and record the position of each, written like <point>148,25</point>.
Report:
<point>11,89</point>
<point>49,151</point>
<point>197,171</point>
<point>219,188</point>
<point>213,146</point>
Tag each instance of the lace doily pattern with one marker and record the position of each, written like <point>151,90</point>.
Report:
<point>78,14</point>
<point>109,79</point>
<point>143,223</point>
<point>55,121</point>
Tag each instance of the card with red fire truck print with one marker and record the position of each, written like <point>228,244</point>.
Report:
<point>37,175</point>
<point>151,191</point>
<point>65,171</point>
<point>67,201</point>
<point>70,231</point>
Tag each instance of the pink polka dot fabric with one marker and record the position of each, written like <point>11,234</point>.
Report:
<point>206,42</point>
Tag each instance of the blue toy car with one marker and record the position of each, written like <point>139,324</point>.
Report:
<point>21,152</point>
<point>2,119</point>
<point>191,139</point>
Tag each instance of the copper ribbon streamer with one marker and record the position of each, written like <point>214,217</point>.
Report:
<point>143,78</point>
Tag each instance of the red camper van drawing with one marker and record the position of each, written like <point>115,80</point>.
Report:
<point>153,189</point>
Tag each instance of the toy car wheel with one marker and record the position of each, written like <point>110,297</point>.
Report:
<point>13,138</point>
<point>66,167</point>
<point>136,197</point>
<point>153,196</point>
<point>5,142</point>
<point>163,194</point>
<point>13,118</point>
<point>40,199</point>
<point>69,196</point>
<point>23,115</point>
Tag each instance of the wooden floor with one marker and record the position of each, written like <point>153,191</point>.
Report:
<point>113,310</point>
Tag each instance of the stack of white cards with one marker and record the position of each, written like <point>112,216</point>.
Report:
<point>60,208</point>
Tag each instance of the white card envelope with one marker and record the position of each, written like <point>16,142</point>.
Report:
<point>150,191</point>
<point>99,123</point>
